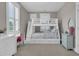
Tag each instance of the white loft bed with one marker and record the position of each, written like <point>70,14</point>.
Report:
<point>43,35</point>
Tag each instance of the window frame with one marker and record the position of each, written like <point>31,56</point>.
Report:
<point>7,18</point>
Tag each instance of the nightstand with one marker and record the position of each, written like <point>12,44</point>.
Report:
<point>67,41</point>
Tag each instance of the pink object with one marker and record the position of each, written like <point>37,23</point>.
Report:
<point>20,38</point>
<point>71,30</point>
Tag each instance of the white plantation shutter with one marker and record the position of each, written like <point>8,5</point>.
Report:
<point>17,19</point>
<point>10,18</point>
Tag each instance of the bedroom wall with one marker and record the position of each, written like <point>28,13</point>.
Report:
<point>24,17</point>
<point>66,12</point>
<point>2,15</point>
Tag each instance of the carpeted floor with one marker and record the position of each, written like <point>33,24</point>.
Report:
<point>44,50</point>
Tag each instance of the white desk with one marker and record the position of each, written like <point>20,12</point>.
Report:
<point>8,45</point>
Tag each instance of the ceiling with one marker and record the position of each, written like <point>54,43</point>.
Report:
<point>42,6</point>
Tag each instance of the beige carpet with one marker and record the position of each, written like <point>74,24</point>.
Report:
<point>44,50</point>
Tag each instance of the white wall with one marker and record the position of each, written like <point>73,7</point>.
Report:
<point>24,17</point>
<point>66,12</point>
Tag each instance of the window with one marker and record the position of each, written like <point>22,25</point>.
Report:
<point>10,17</point>
<point>13,17</point>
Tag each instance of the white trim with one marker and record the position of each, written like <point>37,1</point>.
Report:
<point>76,49</point>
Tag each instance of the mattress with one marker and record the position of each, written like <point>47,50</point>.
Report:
<point>44,36</point>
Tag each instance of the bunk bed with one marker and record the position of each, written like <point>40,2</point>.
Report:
<point>43,30</point>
